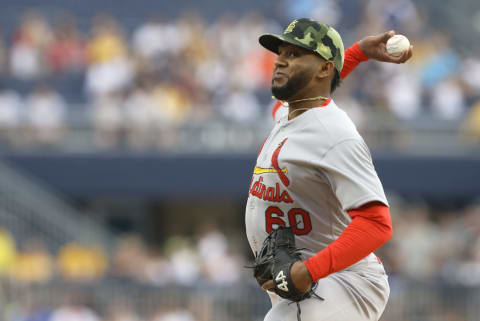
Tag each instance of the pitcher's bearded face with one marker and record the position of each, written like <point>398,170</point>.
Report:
<point>292,71</point>
<point>285,87</point>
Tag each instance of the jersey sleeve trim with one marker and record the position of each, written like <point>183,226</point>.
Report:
<point>365,200</point>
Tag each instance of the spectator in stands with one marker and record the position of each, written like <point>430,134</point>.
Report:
<point>439,76</point>
<point>10,116</point>
<point>3,54</point>
<point>153,39</point>
<point>8,252</point>
<point>219,265</point>
<point>470,76</point>
<point>82,263</point>
<point>464,267</point>
<point>327,11</point>
<point>157,267</point>
<point>66,53</point>
<point>470,129</point>
<point>38,314</point>
<point>401,15</point>
<point>129,258</point>
<point>108,119</point>
<point>26,306</point>
<point>242,55</point>
<point>183,261</point>
<point>241,106</point>
<point>178,314</point>
<point>122,310</point>
<point>141,115</point>
<point>156,44</point>
<point>109,69</point>
<point>29,44</point>
<point>402,90</point>
<point>448,99</point>
<point>45,112</point>
<point>419,233</point>
<point>172,104</point>
<point>34,264</point>
<point>196,48</point>
<point>74,309</point>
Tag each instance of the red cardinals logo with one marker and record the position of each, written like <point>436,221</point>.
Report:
<point>282,172</point>
<point>274,194</point>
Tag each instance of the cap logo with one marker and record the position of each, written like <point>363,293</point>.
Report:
<point>291,26</point>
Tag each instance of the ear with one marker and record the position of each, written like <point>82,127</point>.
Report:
<point>326,69</point>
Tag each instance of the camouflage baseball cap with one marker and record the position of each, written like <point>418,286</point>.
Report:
<point>312,35</point>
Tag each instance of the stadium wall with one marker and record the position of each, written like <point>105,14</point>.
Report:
<point>183,176</point>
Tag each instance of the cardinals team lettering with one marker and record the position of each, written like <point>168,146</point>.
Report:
<point>268,193</point>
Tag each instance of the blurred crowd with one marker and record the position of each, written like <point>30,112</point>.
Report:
<point>180,259</point>
<point>138,86</point>
<point>429,246</point>
<point>434,244</point>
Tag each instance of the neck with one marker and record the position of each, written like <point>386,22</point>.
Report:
<point>299,105</point>
<point>309,98</point>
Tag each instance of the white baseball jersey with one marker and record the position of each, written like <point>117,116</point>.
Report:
<point>309,172</point>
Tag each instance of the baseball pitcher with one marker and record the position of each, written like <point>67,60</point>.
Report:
<point>316,209</point>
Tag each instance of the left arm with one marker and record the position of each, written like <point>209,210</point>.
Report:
<point>370,228</point>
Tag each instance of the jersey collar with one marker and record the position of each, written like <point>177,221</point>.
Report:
<point>324,104</point>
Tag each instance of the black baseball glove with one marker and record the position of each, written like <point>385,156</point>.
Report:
<point>274,262</point>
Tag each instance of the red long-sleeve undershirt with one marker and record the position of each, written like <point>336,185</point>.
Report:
<point>353,56</point>
<point>370,228</point>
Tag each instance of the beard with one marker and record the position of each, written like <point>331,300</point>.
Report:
<point>293,85</point>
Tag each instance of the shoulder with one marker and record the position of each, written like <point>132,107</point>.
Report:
<point>335,124</point>
<point>349,149</point>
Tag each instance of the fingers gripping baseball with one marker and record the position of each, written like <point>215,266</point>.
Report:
<point>375,47</point>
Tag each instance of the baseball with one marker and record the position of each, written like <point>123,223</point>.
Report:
<point>397,44</point>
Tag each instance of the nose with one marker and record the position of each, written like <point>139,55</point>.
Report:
<point>280,62</point>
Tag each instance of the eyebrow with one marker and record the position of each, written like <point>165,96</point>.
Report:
<point>285,45</point>
<point>289,46</point>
